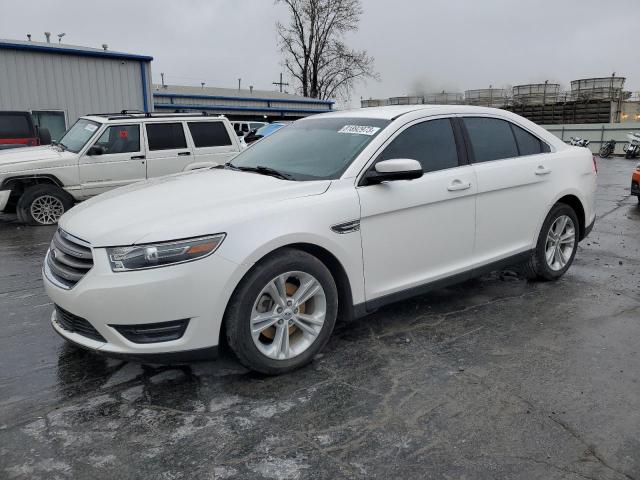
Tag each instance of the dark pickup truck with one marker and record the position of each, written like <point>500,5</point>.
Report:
<point>17,129</point>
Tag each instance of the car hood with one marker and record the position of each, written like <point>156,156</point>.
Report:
<point>12,158</point>
<point>190,204</point>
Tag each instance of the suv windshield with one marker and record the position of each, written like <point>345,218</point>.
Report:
<point>313,148</point>
<point>78,135</point>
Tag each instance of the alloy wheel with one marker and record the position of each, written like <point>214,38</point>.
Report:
<point>288,315</point>
<point>560,243</point>
<point>47,209</point>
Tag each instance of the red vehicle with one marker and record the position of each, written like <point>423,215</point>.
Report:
<point>17,129</point>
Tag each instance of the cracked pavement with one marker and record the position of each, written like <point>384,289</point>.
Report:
<point>496,378</point>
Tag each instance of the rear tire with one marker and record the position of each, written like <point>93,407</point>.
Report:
<point>556,248</point>
<point>43,205</point>
<point>257,342</point>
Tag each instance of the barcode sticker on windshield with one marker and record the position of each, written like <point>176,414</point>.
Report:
<point>359,129</point>
<point>91,127</point>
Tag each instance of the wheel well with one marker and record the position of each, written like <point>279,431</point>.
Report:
<point>575,203</point>
<point>18,185</point>
<point>345,298</point>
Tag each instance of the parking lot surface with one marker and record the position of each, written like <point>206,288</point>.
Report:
<point>496,378</point>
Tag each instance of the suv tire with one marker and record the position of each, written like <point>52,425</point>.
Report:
<point>257,349</point>
<point>556,248</point>
<point>43,205</point>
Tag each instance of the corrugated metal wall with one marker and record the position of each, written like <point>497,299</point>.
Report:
<point>75,84</point>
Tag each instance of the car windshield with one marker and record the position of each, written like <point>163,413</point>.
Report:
<point>313,148</point>
<point>77,136</point>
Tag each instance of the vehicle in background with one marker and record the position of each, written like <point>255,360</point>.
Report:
<point>242,128</point>
<point>336,215</point>
<point>262,132</point>
<point>635,183</point>
<point>579,142</point>
<point>105,151</point>
<point>632,148</point>
<point>607,149</point>
<point>17,129</point>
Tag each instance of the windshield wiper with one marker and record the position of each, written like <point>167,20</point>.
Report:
<point>261,170</point>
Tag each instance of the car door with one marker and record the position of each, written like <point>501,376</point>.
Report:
<point>122,160</point>
<point>514,172</point>
<point>418,231</point>
<point>212,143</point>
<point>167,148</point>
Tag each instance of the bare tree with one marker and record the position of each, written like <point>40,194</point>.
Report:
<point>314,50</point>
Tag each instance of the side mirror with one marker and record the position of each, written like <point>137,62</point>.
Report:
<point>95,150</point>
<point>396,169</point>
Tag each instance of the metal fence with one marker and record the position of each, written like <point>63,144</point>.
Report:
<point>597,134</point>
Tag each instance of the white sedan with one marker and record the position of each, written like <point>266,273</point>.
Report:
<point>333,216</point>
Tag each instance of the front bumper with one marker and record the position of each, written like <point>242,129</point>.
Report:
<point>198,291</point>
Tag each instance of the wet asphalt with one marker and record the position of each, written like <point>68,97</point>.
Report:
<point>496,378</point>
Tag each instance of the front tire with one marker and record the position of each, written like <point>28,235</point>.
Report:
<point>43,205</point>
<point>282,313</point>
<point>557,245</point>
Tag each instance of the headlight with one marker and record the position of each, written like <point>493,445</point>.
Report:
<point>139,257</point>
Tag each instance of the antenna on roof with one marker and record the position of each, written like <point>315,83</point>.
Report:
<point>60,35</point>
<point>48,36</point>
<point>29,36</point>
<point>239,82</point>
<point>105,46</point>
<point>162,80</point>
<point>202,84</point>
<point>250,88</point>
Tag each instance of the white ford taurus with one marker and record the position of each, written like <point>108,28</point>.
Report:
<point>335,215</point>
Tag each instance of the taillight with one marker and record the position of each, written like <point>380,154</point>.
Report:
<point>595,165</point>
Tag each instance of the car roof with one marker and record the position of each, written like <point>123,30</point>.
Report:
<point>128,118</point>
<point>394,111</point>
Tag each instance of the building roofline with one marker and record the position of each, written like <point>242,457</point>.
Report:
<point>259,99</point>
<point>236,108</point>
<point>64,50</point>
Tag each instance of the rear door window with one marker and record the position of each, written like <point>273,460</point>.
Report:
<point>432,143</point>
<point>528,144</point>
<point>491,139</point>
<point>209,134</point>
<point>165,136</point>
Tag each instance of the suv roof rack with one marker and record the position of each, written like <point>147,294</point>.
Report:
<point>140,114</point>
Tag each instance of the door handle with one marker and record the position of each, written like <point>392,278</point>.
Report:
<point>542,170</point>
<point>458,185</point>
<point>182,154</point>
<point>137,157</point>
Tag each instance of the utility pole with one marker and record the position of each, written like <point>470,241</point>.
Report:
<point>281,83</point>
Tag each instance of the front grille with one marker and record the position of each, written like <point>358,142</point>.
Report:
<point>69,258</point>
<point>73,323</point>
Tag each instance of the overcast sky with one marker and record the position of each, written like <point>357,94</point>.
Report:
<point>418,45</point>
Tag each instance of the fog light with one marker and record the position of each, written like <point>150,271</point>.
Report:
<point>153,332</point>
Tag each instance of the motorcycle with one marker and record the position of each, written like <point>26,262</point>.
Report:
<point>632,148</point>
<point>607,149</point>
<point>579,142</point>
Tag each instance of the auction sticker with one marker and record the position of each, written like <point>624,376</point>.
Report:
<point>91,127</point>
<point>359,129</point>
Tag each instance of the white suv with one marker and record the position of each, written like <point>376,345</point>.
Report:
<point>101,152</point>
<point>337,214</point>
